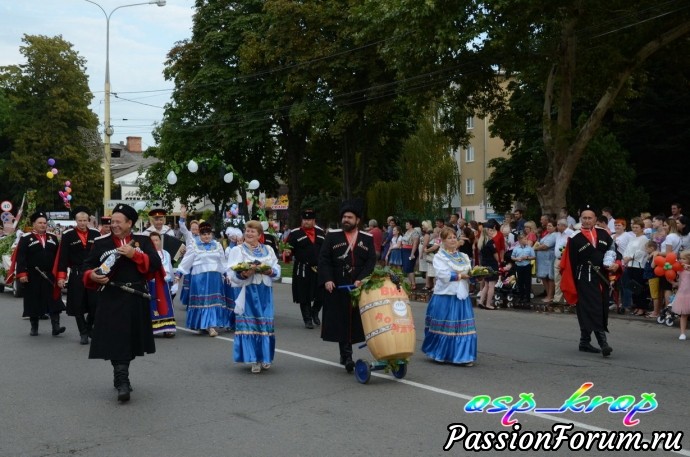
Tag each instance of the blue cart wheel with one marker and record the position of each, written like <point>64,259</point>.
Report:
<point>400,371</point>
<point>362,371</point>
<point>660,319</point>
<point>669,321</point>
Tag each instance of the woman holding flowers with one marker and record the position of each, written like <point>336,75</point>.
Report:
<point>450,335</point>
<point>207,309</point>
<point>254,267</point>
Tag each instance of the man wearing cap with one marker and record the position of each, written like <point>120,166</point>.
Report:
<point>584,280</point>
<point>347,256</point>
<point>171,244</point>
<point>122,328</point>
<point>105,225</point>
<point>36,254</point>
<point>75,245</point>
<point>306,242</point>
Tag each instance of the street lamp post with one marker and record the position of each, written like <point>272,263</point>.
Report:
<point>108,129</point>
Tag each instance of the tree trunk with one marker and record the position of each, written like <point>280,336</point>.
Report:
<point>564,154</point>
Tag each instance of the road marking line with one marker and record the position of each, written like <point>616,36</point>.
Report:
<point>438,390</point>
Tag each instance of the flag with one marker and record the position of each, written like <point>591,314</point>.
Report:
<point>19,213</point>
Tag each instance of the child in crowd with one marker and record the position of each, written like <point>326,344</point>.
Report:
<point>394,254</point>
<point>522,255</point>
<point>681,304</point>
<point>652,280</point>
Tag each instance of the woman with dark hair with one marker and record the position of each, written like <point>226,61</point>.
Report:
<point>205,262</point>
<point>683,225</point>
<point>488,258</point>
<point>410,243</point>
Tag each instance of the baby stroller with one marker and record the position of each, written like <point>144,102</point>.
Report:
<point>505,293</point>
<point>667,316</point>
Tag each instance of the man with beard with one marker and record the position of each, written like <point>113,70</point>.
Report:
<point>36,253</point>
<point>122,328</point>
<point>347,256</point>
<point>584,280</point>
<point>75,245</point>
<point>171,244</point>
<point>306,242</point>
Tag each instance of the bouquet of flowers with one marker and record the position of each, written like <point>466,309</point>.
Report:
<point>480,271</point>
<point>256,266</point>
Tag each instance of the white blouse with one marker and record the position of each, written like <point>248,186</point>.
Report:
<point>448,268</point>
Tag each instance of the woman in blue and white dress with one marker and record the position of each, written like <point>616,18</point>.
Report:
<point>207,308</point>
<point>191,236</point>
<point>254,314</point>
<point>450,334</point>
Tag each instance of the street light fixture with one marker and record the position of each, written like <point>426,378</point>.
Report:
<point>108,129</point>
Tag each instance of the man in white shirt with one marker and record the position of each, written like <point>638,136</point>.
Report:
<point>561,240</point>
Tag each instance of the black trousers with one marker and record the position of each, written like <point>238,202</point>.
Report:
<point>524,281</point>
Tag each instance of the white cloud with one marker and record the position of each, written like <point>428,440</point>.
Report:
<point>140,38</point>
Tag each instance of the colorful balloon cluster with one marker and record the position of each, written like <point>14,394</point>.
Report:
<point>66,195</point>
<point>668,266</point>
<point>50,174</point>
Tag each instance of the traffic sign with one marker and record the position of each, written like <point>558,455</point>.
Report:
<point>6,206</point>
<point>6,217</point>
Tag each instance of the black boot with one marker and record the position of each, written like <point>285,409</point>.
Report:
<point>121,380</point>
<point>81,325</point>
<point>585,342</point>
<point>315,314</point>
<point>606,350</point>
<point>34,326</point>
<point>306,314</point>
<point>346,357</point>
<point>55,321</point>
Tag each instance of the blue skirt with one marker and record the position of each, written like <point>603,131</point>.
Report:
<point>407,264</point>
<point>450,334</point>
<point>161,323</point>
<point>255,340</point>
<point>207,306</point>
<point>395,257</point>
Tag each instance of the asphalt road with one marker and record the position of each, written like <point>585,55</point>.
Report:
<point>190,399</point>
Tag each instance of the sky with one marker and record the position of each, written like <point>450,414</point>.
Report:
<point>140,38</point>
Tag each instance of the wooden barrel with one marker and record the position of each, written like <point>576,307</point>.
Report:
<point>387,322</point>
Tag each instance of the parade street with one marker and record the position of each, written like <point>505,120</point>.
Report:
<point>190,399</point>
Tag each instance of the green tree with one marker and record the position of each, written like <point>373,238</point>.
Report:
<point>49,97</point>
<point>429,177</point>
<point>580,54</point>
<point>212,117</point>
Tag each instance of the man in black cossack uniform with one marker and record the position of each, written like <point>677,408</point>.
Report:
<point>585,282</point>
<point>306,242</point>
<point>75,245</point>
<point>122,328</point>
<point>36,254</point>
<point>347,256</point>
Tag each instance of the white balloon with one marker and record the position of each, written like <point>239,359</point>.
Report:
<point>139,206</point>
<point>264,225</point>
<point>192,166</point>
<point>253,184</point>
<point>228,177</point>
<point>172,177</point>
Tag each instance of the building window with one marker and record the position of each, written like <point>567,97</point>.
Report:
<point>469,215</point>
<point>470,122</point>
<point>469,154</point>
<point>469,186</point>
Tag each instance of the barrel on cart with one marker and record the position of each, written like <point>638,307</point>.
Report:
<point>388,329</point>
